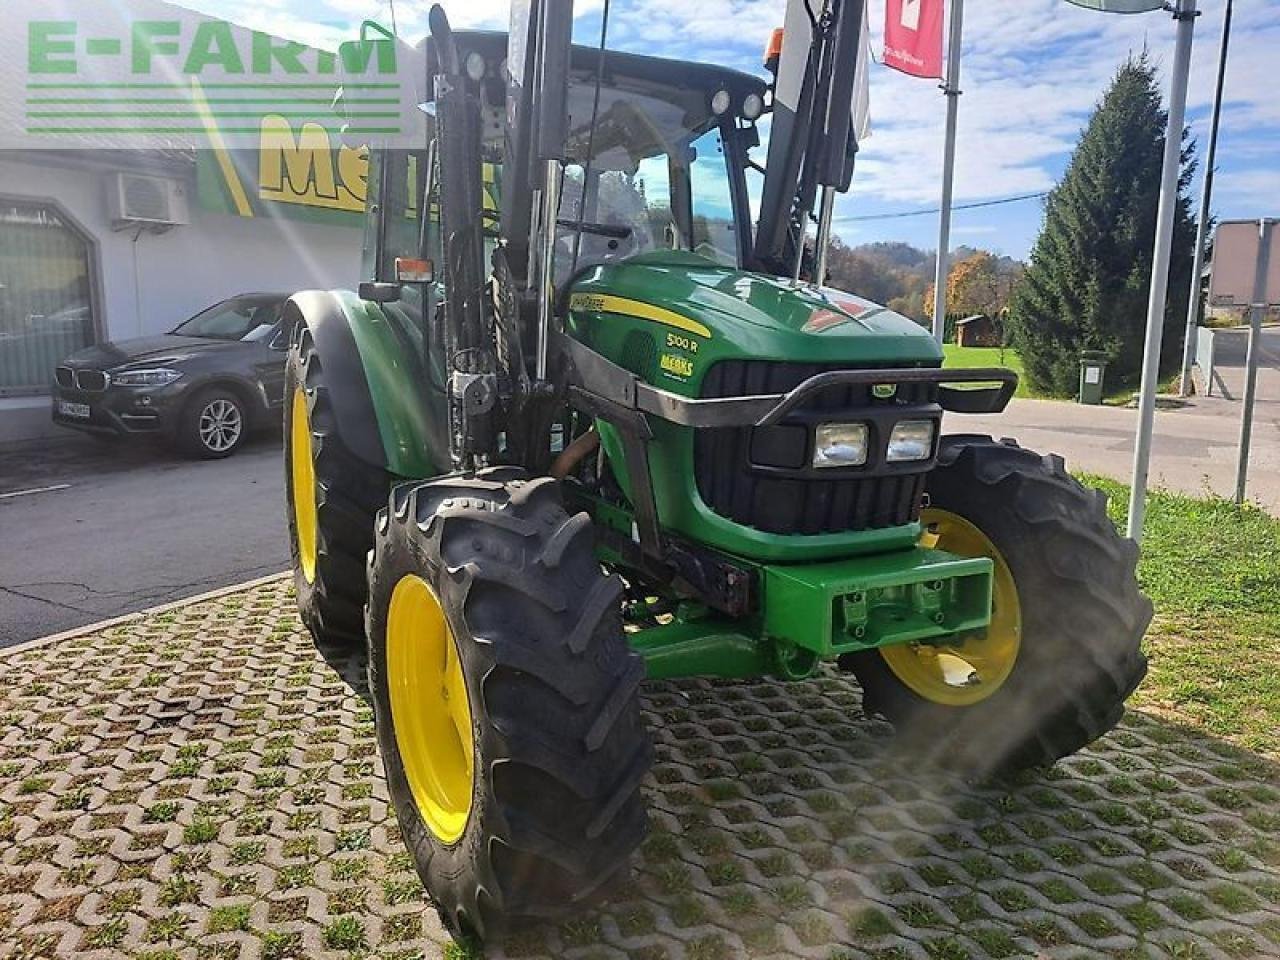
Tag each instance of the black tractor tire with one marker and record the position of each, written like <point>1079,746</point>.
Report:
<point>191,434</point>
<point>560,748</point>
<point>1083,617</point>
<point>349,493</point>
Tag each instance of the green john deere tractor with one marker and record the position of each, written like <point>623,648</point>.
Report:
<point>589,421</point>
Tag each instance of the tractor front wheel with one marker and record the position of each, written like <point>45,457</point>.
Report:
<point>505,697</point>
<point>333,500</point>
<point>1062,653</point>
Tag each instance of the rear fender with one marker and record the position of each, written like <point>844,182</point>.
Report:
<point>383,402</point>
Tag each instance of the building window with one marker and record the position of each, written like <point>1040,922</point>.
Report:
<point>46,310</point>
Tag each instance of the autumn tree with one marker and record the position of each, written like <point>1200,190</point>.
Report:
<point>973,286</point>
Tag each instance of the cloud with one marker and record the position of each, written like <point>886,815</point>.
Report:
<point>1258,186</point>
<point>1032,71</point>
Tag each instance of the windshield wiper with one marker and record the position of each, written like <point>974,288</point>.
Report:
<point>613,230</point>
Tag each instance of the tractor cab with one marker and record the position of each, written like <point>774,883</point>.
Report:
<point>663,167</point>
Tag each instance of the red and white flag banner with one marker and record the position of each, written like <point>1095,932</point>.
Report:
<point>913,37</point>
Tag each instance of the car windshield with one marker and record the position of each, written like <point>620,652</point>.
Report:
<point>240,318</point>
<point>656,175</point>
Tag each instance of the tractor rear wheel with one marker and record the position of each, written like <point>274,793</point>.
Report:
<point>505,697</point>
<point>333,500</point>
<point>1062,653</point>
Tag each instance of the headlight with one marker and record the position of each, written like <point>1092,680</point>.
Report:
<point>720,102</point>
<point>911,440</point>
<point>752,106</point>
<point>159,377</point>
<point>840,445</point>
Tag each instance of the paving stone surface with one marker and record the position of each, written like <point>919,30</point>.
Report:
<point>200,784</point>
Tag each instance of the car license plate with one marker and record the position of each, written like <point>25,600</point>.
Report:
<point>69,409</point>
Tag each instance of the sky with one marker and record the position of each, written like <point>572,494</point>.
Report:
<point>1031,72</point>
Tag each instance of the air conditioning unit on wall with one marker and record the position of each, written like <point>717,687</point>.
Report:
<point>141,200</point>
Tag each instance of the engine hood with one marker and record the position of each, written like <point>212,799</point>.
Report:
<point>166,347</point>
<point>763,317</point>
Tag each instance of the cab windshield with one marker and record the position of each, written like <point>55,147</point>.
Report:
<point>645,179</point>
<point>654,174</point>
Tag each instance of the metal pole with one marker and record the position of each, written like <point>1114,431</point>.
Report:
<point>797,267</point>
<point>826,207</point>
<point>546,258</point>
<point>1206,192</point>
<point>1257,306</point>
<point>1185,14</point>
<point>951,90</point>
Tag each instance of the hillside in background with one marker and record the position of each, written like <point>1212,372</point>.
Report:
<point>899,275</point>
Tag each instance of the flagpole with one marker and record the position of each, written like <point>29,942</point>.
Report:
<point>1202,230</point>
<point>1184,14</point>
<point>950,89</point>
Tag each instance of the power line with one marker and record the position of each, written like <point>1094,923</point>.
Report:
<point>958,206</point>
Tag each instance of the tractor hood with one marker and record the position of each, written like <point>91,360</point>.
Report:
<point>753,315</point>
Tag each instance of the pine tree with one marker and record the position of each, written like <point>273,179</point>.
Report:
<point>1088,281</point>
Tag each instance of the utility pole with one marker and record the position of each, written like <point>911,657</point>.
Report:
<point>1184,14</point>
<point>1202,231</point>
<point>1257,307</point>
<point>951,89</point>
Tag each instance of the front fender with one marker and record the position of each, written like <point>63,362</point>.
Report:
<point>384,405</point>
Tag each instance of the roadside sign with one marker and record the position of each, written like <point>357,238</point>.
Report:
<point>1120,6</point>
<point>1236,249</point>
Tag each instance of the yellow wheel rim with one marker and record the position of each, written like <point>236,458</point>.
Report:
<point>971,670</point>
<point>430,711</point>
<point>303,472</point>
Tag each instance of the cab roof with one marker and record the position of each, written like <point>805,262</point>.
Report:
<point>690,84</point>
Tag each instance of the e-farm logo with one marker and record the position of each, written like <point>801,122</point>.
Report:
<point>204,76</point>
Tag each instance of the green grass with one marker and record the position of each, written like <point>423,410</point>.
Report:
<point>966,358</point>
<point>1118,394</point>
<point>1212,569</point>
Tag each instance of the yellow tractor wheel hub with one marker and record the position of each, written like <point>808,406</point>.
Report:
<point>430,709</point>
<point>302,471</point>
<point>972,669</point>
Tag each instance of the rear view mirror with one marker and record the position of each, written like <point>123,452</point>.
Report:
<point>341,109</point>
<point>339,103</point>
<point>378,55</point>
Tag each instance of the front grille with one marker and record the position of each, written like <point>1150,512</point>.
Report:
<point>90,381</point>
<point>64,377</point>
<point>760,477</point>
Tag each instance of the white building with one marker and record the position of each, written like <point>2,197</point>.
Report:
<point>80,265</point>
<point>102,244</point>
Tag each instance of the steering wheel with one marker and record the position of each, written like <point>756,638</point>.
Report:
<point>600,242</point>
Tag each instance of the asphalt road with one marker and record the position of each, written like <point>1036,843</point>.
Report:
<point>1195,445</point>
<point>129,526</point>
